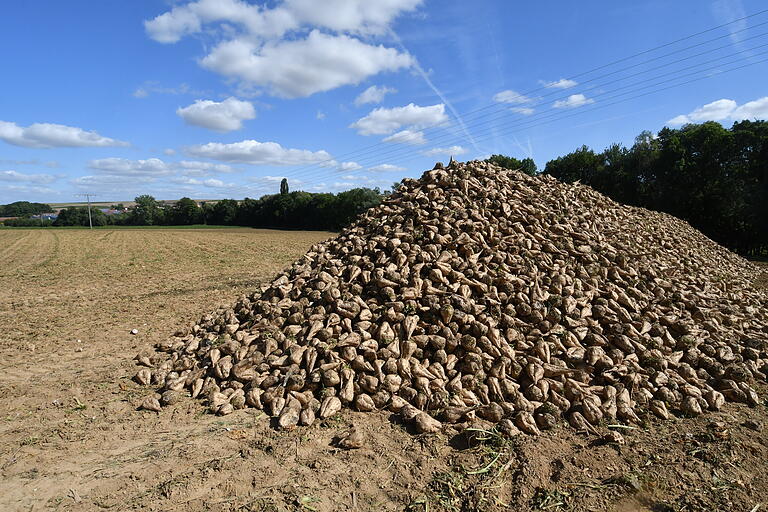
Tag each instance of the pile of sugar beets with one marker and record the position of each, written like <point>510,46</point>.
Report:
<point>482,292</point>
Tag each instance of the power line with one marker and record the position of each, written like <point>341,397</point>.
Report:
<point>606,105</point>
<point>395,151</point>
<point>503,106</point>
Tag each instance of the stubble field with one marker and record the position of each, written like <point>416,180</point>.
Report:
<point>71,437</point>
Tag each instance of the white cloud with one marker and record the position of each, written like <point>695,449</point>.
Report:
<point>117,180</point>
<point>349,166</point>
<point>169,151</point>
<point>257,153</point>
<point>724,109</point>
<point>271,181</point>
<point>453,150</point>
<point>715,111</point>
<point>573,101</point>
<point>513,97</point>
<point>26,178</point>
<point>338,15</point>
<point>211,182</point>
<point>757,109</point>
<point>373,94</point>
<point>526,111</point>
<point>678,120</point>
<point>53,164</point>
<point>386,168</point>
<point>383,121</point>
<point>350,15</point>
<point>265,46</point>
<point>412,138</point>
<point>48,135</point>
<point>563,83</point>
<point>225,116</point>
<point>302,67</point>
<point>123,166</point>
<point>190,166</point>
<point>13,191</point>
<point>154,167</point>
<point>320,115</point>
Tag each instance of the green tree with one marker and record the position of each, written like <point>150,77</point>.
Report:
<point>185,212</point>
<point>24,209</point>
<point>78,216</point>
<point>283,186</point>
<point>581,165</point>
<point>222,213</point>
<point>527,165</point>
<point>146,212</point>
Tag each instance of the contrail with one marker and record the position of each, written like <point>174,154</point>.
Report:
<point>436,91</point>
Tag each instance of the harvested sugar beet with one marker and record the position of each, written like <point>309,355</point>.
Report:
<point>478,291</point>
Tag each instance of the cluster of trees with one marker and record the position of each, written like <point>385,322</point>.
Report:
<point>23,209</point>
<point>287,210</point>
<point>713,177</point>
<point>526,165</point>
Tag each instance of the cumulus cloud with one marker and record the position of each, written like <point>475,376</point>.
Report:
<point>190,167</point>
<point>361,16</point>
<point>349,166</point>
<point>302,67</point>
<point>210,182</point>
<point>724,109</point>
<point>12,191</point>
<point>123,166</point>
<point>563,83</point>
<point>153,167</point>
<point>373,94</point>
<point>169,151</point>
<point>383,121</point>
<point>224,116</point>
<point>20,177</point>
<point>453,150</point>
<point>513,97</point>
<point>757,109</point>
<point>265,46</point>
<point>53,164</point>
<point>257,153</point>
<point>48,135</point>
<point>386,168</point>
<point>573,101</point>
<point>410,137</point>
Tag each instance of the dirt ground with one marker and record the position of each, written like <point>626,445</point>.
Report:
<point>71,437</point>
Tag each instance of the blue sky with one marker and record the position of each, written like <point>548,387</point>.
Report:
<point>222,98</point>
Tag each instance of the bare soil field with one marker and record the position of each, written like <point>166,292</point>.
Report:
<point>72,438</point>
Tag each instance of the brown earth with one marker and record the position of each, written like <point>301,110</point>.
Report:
<point>71,437</point>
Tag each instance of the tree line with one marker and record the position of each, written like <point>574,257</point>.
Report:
<point>24,209</point>
<point>287,210</point>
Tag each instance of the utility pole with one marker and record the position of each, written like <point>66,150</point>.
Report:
<point>87,196</point>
